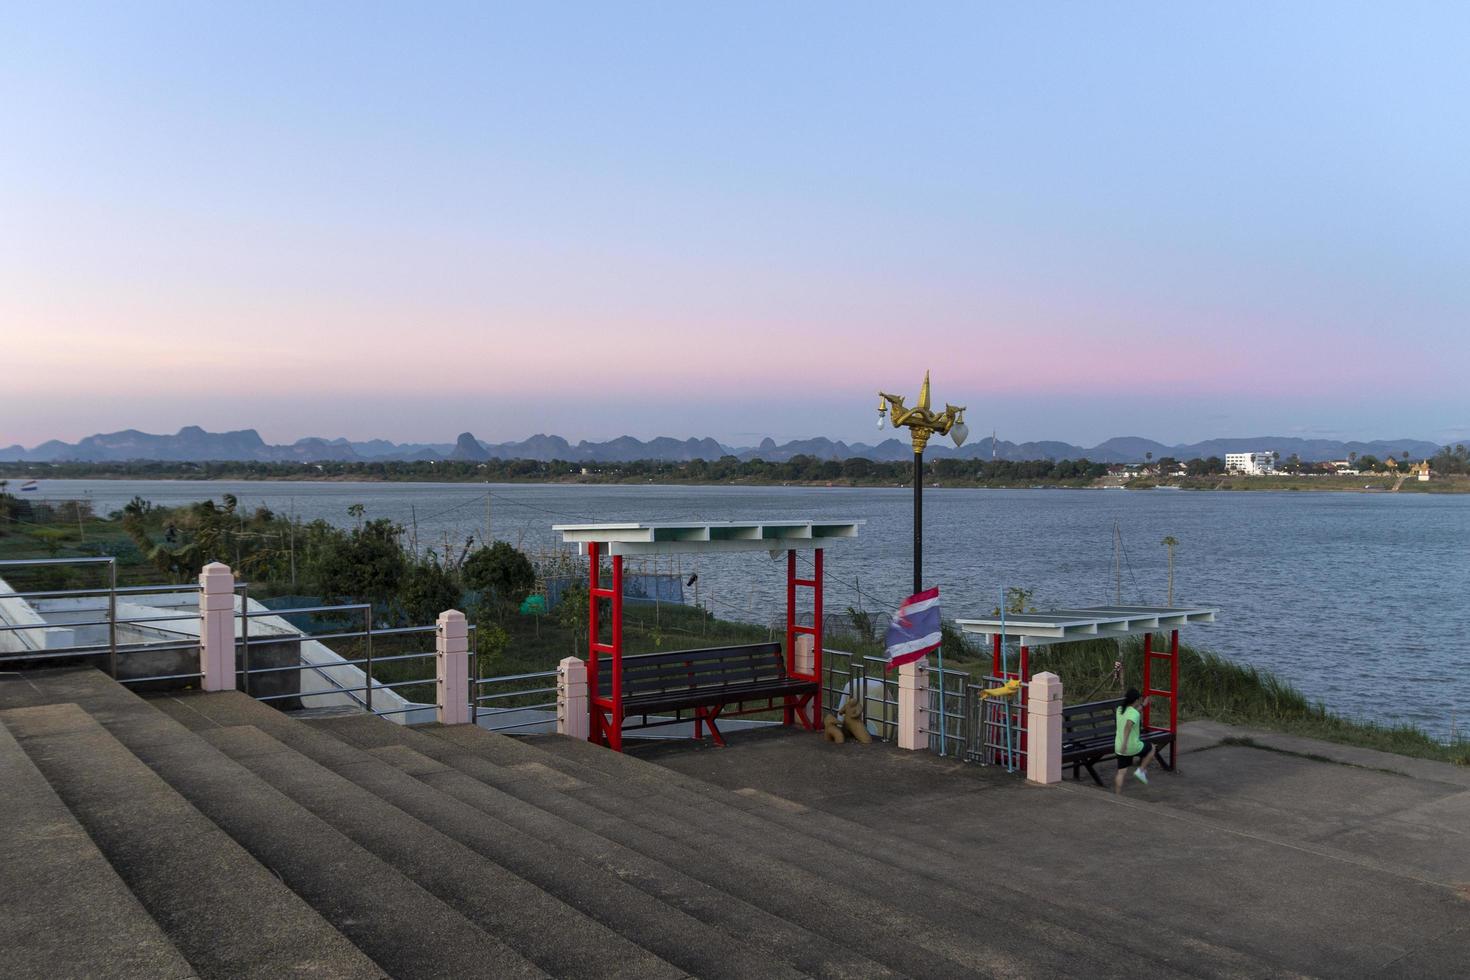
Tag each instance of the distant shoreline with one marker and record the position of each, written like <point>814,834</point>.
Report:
<point>1281,484</point>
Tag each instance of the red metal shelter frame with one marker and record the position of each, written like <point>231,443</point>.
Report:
<point>606,711</point>
<point>1169,694</point>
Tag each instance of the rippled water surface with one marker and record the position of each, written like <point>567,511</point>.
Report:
<point>1362,600</point>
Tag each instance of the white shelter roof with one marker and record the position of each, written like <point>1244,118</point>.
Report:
<point>666,537</point>
<point>1090,623</point>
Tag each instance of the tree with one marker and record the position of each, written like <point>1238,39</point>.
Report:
<point>500,571</point>
<point>367,564</point>
<point>427,589</point>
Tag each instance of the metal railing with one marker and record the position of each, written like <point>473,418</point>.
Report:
<point>370,636</point>
<point>996,727</point>
<point>515,698</point>
<point>947,730</point>
<point>106,615</point>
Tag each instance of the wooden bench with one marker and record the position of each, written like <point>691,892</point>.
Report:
<point>1089,731</point>
<point>707,681</point>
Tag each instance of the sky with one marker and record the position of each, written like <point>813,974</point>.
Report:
<point>1179,221</point>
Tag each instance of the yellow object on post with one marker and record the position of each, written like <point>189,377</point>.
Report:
<point>1009,689</point>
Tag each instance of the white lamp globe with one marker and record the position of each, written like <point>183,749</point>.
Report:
<point>959,433</point>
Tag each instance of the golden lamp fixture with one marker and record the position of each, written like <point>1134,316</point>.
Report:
<point>920,421</point>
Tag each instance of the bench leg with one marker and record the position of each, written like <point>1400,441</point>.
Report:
<point>1159,756</point>
<point>1093,773</point>
<point>714,733</point>
<point>799,708</point>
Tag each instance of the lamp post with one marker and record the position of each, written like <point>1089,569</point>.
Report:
<point>922,423</point>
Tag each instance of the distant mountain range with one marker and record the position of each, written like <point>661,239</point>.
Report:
<point>193,444</point>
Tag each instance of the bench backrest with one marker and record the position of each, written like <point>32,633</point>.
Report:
<point>687,670</point>
<point>1091,721</point>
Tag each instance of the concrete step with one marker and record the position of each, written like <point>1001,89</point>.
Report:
<point>225,913</point>
<point>407,931</point>
<point>762,942</point>
<point>1020,916</point>
<point>686,923</point>
<point>906,940</point>
<point>49,861</point>
<point>554,936</point>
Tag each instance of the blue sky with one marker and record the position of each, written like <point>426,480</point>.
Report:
<point>410,220</point>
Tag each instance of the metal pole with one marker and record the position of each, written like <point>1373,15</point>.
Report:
<point>367,615</point>
<point>112,618</point>
<point>918,521</point>
<point>245,634</point>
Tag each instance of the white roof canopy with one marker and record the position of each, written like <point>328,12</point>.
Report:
<point>667,537</point>
<point>1091,623</point>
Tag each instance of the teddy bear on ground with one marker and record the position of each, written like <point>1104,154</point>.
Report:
<point>851,723</point>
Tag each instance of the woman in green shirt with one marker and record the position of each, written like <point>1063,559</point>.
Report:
<point>1128,742</point>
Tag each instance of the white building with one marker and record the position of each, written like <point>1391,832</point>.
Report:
<point>1251,464</point>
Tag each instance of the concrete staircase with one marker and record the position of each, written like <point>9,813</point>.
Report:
<point>211,835</point>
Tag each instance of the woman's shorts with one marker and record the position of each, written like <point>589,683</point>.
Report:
<point>1124,761</point>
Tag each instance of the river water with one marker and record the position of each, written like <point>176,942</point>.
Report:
<point>1361,600</point>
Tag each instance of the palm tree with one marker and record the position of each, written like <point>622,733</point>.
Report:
<point>1170,542</point>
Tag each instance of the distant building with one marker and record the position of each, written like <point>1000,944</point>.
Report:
<point>1250,464</point>
<point>1423,471</point>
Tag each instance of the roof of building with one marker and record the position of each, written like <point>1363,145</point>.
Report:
<point>1090,623</point>
<point>664,537</point>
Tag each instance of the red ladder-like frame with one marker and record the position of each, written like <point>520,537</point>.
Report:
<point>1171,695</point>
<point>606,711</point>
<point>808,707</point>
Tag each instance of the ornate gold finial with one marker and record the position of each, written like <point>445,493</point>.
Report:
<point>920,421</point>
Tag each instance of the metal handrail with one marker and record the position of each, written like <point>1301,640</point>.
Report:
<point>515,694</point>
<point>101,591</point>
<point>248,613</point>
<point>507,678</point>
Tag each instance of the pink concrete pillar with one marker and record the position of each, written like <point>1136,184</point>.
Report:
<point>571,698</point>
<point>1044,742</point>
<point>217,627</point>
<point>452,660</point>
<point>913,705</point>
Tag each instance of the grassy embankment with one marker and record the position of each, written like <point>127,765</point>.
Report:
<point>1217,689</point>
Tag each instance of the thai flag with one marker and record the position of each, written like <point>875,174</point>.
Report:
<point>28,485</point>
<point>914,630</point>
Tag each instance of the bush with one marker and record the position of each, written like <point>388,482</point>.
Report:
<point>427,590</point>
<point>502,571</point>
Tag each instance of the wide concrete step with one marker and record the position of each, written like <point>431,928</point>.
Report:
<point>907,940</point>
<point>63,910</point>
<point>763,941</point>
<point>406,930</point>
<point>226,914</point>
<point>692,926</point>
<point>551,934</point>
<point>1076,917</point>
<point>1019,917</point>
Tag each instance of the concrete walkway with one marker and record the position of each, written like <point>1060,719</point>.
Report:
<point>1311,857</point>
